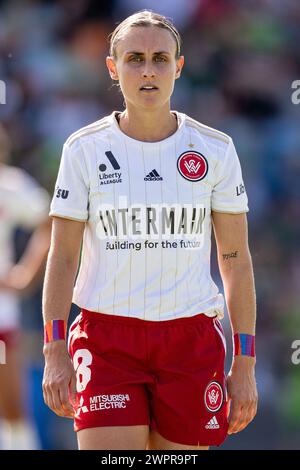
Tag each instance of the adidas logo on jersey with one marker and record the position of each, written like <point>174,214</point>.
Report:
<point>212,424</point>
<point>153,176</point>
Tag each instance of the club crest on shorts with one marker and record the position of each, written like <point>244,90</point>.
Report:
<point>213,397</point>
<point>192,165</point>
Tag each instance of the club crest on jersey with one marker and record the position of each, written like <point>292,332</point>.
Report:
<point>192,165</point>
<point>213,397</point>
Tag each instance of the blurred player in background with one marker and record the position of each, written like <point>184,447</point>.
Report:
<point>24,204</point>
<point>143,187</point>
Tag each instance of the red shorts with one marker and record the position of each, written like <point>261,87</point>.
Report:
<point>168,375</point>
<point>10,337</point>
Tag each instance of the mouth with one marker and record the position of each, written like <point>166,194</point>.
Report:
<point>148,88</point>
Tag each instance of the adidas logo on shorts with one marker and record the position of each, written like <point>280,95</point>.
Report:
<point>212,424</point>
<point>153,176</point>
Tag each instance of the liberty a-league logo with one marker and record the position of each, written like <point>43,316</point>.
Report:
<point>192,166</point>
<point>108,178</point>
<point>213,397</point>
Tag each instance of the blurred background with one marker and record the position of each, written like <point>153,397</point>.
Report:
<point>241,57</point>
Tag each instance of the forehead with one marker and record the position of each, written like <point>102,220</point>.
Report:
<point>146,39</point>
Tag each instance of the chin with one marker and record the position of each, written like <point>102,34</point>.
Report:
<point>151,103</point>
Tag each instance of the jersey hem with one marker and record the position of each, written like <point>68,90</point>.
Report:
<point>230,211</point>
<point>212,313</point>
<point>69,217</point>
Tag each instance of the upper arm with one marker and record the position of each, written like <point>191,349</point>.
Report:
<point>231,234</point>
<point>229,193</point>
<point>71,197</point>
<point>66,238</point>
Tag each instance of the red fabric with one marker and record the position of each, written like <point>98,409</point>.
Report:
<point>168,375</point>
<point>10,337</point>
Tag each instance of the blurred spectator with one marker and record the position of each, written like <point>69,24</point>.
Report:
<point>22,203</point>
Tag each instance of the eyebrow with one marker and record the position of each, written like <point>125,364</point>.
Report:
<point>142,53</point>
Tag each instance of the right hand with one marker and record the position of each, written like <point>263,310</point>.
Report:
<point>59,382</point>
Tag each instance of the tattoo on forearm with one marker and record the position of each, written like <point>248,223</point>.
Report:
<point>234,254</point>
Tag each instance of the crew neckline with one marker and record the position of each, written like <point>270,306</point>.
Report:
<point>180,120</point>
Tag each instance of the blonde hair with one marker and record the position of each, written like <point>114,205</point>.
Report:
<point>143,18</point>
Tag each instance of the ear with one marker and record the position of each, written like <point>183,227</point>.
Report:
<point>179,65</point>
<point>110,64</point>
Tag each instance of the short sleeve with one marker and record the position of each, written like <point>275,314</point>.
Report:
<point>70,199</point>
<point>229,193</point>
<point>36,207</point>
<point>26,201</point>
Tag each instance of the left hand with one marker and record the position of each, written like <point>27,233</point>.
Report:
<point>242,392</point>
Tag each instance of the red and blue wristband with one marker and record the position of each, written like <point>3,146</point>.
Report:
<point>55,330</point>
<point>244,345</point>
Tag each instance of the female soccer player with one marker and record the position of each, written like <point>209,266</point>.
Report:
<point>142,188</point>
<point>23,203</point>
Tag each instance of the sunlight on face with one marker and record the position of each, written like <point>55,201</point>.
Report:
<point>146,66</point>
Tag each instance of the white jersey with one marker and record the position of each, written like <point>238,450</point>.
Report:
<point>147,208</point>
<point>23,203</point>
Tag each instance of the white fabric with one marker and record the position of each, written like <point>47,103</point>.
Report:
<point>18,435</point>
<point>102,174</point>
<point>228,179</point>
<point>23,203</point>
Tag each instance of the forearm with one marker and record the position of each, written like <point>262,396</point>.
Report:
<point>58,287</point>
<point>238,281</point>
<point>29,270</point>
<point>59,377</point>
<point>237,275</point>
<point>241,383</point>
<point>57,296</point>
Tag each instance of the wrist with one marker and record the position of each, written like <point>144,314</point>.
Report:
<point>55,348</point>
<point>55,330</point>
<point>243,345</point>
<point>243,362</point>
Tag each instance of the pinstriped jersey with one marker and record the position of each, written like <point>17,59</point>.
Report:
<point>147,208</point>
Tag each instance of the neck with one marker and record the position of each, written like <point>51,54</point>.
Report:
<point>148,127</point>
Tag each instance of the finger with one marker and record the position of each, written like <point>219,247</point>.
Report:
<point>46,395</point>
<point>244,419</point>
<point>247,415</point>
<point>49,398</point>
<point>234,416</point>
<point>253,411</point>
<point>57,405</point>
<point>66,406</point>
<point>72,390</point>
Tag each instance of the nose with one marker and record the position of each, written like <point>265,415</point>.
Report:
<point>148,70</point>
